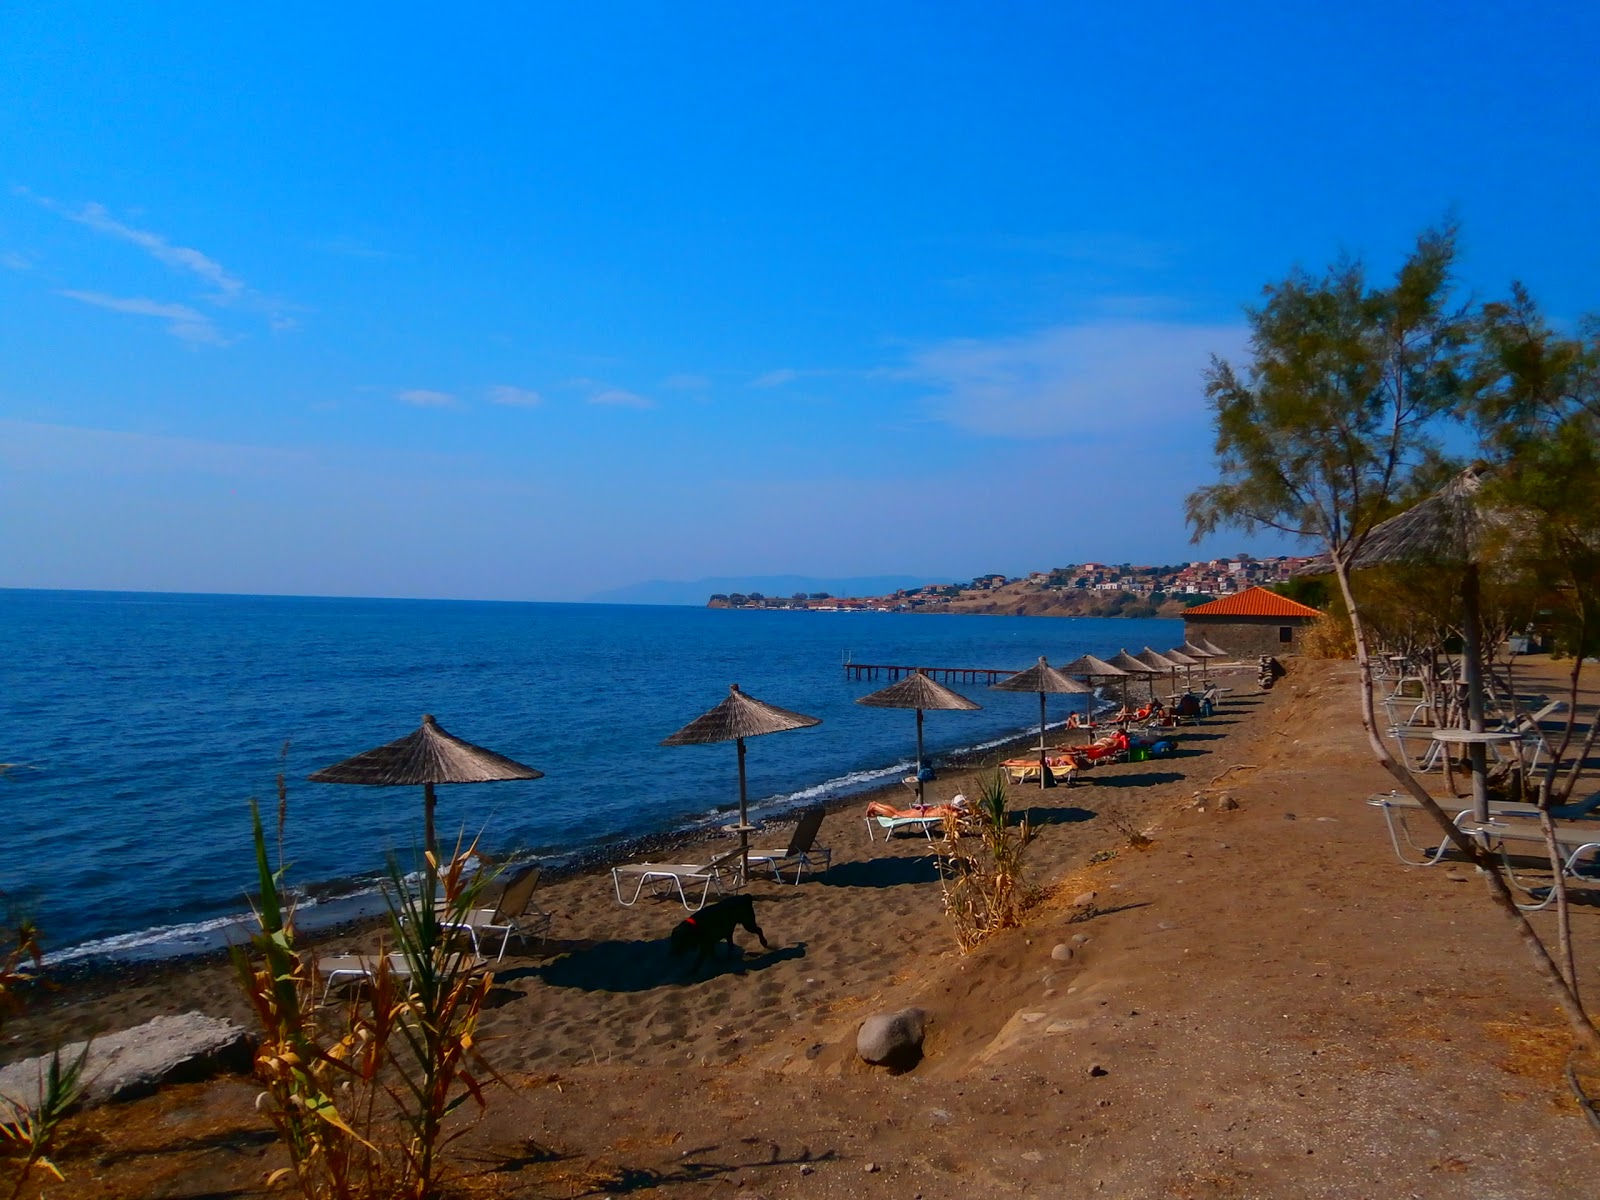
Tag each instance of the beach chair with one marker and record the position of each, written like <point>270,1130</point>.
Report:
<point>512,917</point>
<point>686,879</point>
<point>341,970</point>
<point>802,851</point>
<point>1396,806</point>
<point>890,825</point>
<point>1577,841</point>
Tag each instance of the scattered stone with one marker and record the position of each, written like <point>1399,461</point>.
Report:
<point>1032,1156</point>
<point>1226,803</point>
<point>1062,952</point>
<point>872,1168</point>
<point>1084,900</point>
<point>806,1168</point>
<point>1288,816</point>
<point>1078,939</point>
<point>892,1039</point>
<point>814,1049</point>
<point>1030,1017</point>
<point>185,1048</point>
<point>1098,1072</point>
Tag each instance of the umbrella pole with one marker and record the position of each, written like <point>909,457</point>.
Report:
<point>744,823</point>
<point>1477,752</point>
<point>920,801</point>
<point>427,818</point>
<point>1042,767</point>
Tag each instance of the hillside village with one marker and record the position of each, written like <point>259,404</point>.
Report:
<point>1084,589</point>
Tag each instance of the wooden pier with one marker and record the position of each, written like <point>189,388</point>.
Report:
<point>860,671</point>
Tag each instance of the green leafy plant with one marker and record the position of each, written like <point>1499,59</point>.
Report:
<point>985,888</point>
<point>360,1094</point>
<point>28,1133</point>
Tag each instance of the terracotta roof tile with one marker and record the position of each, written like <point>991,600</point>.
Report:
<point>1253,602</point>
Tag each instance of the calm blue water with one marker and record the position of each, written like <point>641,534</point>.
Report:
<point>142,724</point>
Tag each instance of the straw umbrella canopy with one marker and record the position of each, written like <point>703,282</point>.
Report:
<point>428,756</point>
<point>919,692</point>
<point>1046,680</point>
<point>736,718</point>
<point>1187,661</point>
<point>1210,647</point>
<point>1451,528</point>
<point>1133,666</point>
<point>1090,668</point>
<point>1160,662</point>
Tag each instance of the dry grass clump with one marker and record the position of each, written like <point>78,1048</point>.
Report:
<point>360,1095</point>
<point>981,870</point>
<point>1329,637</point>
<point>28,1133</point>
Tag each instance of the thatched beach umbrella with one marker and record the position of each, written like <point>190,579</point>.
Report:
<point>428,756</point>
<point>1160,662</point>
<point>1187,661</point>
<point>1211,649</point>
<point>1451,528</point>
<point>1044,679</point>
<point>1089,668</point>
<point>1127,662</point>
<point>919,692</point>
<point>736,718</point>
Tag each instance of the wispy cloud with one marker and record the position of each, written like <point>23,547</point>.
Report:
<point>426,398</point>
<point>514,397</point>
<point>184,323</point>
<point>686,383</point>
<point>621,398</point>
<point>12,261</point>
<point>776,378</point>
<point>180,258</point>
<point>224,288</point>
<point>349,247</point>
<point>1094,378</point>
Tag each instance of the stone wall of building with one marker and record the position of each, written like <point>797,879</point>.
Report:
<point>1249,637</point>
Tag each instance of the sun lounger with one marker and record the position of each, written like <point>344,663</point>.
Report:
<point>890,825</point>
<point>513,916</point>
<point>1578,841</point>
<point>1395,807</point>
<point>802,850</point>
<point>686,879</point>
<point>339,970</point>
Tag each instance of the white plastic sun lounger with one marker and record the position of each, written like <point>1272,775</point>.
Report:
<point>1580,845</point>
<point>1395,807</point>
<point>686,879</point>
<point>891,824</point>
<point>341,969</point>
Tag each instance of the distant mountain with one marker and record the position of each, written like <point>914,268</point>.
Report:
<point>697,592</point>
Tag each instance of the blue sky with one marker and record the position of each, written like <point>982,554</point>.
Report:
<point>527,302</point>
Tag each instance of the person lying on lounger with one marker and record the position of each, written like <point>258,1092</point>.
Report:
<point>956,808</point>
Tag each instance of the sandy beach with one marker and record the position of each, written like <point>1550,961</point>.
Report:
<point>1263,1002</point>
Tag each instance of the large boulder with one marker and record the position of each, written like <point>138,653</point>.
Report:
<point>124,1066</point>
<point>892,1039</point>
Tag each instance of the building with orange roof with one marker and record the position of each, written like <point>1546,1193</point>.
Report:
<point>1250,623</point>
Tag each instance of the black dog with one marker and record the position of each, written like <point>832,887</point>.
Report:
<point>709,926</point>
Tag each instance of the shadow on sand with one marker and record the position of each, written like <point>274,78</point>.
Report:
<point>639,966</point>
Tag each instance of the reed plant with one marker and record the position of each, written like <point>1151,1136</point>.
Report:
<point>361,1093</point>
<point>29,1132</point>
<point>985,886</point>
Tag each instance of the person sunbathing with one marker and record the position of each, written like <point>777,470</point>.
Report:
<point>957,807</point>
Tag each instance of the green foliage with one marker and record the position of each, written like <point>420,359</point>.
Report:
<point>28,1133</point>
<point>1316,435</point>
<point>985,888</point>
<point>360,1095</point>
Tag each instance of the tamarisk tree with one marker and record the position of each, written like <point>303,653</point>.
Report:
<point>1333,422</point>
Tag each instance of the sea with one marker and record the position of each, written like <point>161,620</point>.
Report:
<point>135,728</point>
